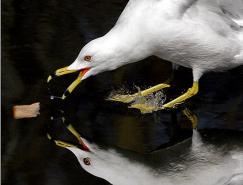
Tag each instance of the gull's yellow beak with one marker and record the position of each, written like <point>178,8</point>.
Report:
<point>81,145</point>
<point>60,72</point>
<point>64,71</point>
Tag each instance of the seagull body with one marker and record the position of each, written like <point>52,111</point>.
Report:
<point>204,35</point>
<point>193,34</point>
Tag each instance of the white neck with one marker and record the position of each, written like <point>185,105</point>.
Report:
<point>127,45</point>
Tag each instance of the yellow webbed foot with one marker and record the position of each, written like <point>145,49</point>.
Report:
<point>122,98</point>
<point>131,97</point>
<point>144,109</point>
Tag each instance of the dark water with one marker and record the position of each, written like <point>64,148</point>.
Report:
<point>41,36</point>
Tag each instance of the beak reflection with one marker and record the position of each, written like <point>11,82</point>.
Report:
<point>80,143</point>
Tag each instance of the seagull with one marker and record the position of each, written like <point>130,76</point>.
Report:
<point>204,35</point>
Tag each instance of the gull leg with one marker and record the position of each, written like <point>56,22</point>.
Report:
<point>131,97</point>
<point>128,98</point>
<point>148,109</point>
<point>190,92</point>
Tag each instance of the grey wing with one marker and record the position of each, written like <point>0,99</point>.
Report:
<point>233,9</point>
<point>223,16</point>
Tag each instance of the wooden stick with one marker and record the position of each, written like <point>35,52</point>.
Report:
<point>26,111</point>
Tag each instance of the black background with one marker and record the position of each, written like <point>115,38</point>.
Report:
<point>40,36</point>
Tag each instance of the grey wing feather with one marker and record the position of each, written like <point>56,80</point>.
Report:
<point>232,9</point>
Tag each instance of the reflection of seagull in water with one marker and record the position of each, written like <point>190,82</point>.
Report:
<point>205,35</point>
<point>198,167</point>
<point>184,164</point>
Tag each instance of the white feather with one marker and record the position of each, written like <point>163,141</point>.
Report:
<point>205,35</point>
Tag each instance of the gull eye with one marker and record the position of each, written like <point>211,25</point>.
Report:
<point>87,58</point>
<point>87,161</point>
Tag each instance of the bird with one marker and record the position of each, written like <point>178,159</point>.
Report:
<point>203,35</point>
<point>198,163</point>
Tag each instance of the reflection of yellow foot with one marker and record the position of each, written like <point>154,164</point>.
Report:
<point>192,117</point>
<point>190,92</point>
<point>131,97</point>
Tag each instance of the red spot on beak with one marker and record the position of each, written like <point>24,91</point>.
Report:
<point>83,71</point>
<point>84,146</point>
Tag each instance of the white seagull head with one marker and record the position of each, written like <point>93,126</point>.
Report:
<point>99,55</point>
<point>106,164</point>
<point>85,157</point>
